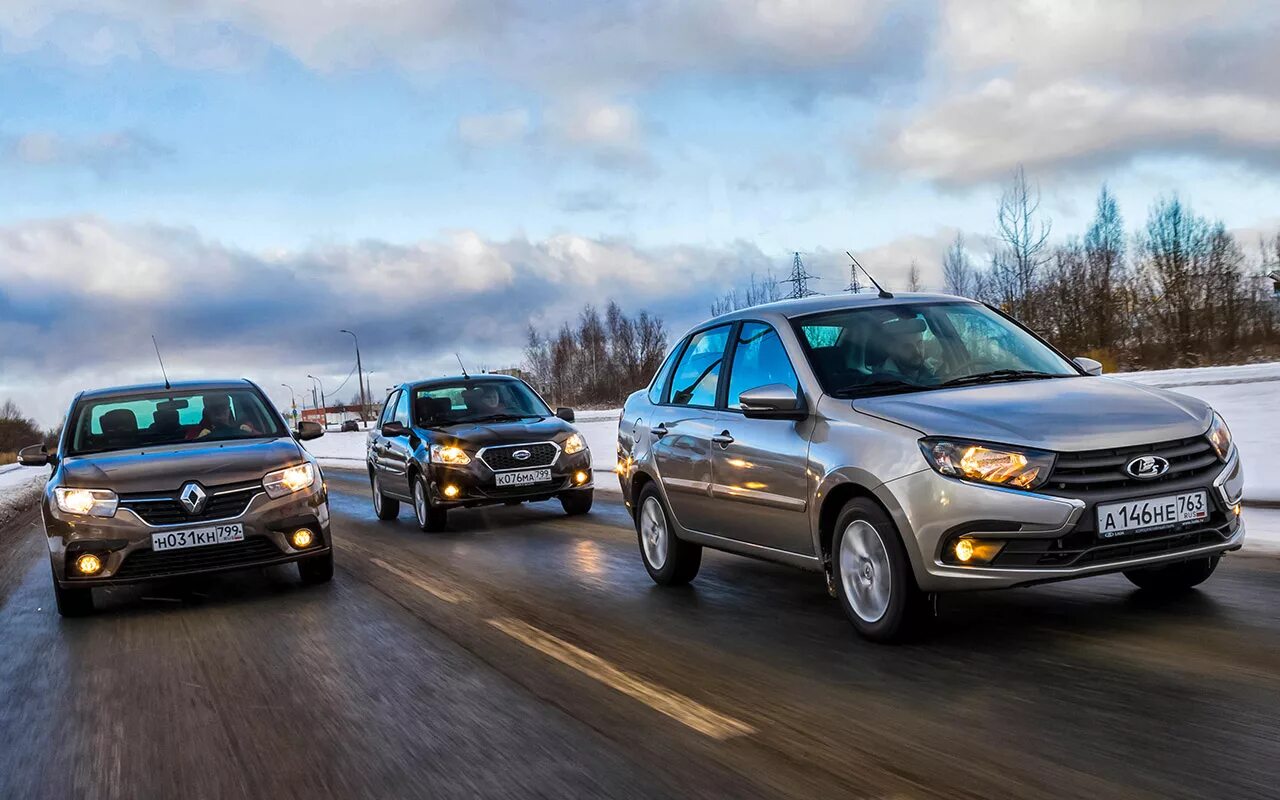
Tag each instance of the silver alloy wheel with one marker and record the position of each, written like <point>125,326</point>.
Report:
<point>864,571</point>
<point>377,497</point>
<point>420,502</point>
<point>653,533</point>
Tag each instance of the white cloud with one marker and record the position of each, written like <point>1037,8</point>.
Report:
<point>1059,86</point>
<point>103,153</point>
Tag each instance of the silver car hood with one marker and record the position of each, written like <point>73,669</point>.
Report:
<point>1085,413</point>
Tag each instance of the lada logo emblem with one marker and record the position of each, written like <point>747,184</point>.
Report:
<point>522,455</point>
<point>1146,467</point>
<point>193,497</point>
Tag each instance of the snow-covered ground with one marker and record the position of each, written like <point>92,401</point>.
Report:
<point>19,487</point>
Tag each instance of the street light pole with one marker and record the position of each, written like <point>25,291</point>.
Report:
<point>324,406</point>
<point>293,401</point>
<point>364,400</point>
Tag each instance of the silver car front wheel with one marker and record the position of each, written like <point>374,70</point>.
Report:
<point>653,533</point>
<point>669,560</point>
<point>865,573</point>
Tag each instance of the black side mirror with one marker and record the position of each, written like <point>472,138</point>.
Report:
<point>394,429</point>
<point>34,456</point>
<point>775,401</point>
<point>565,414</point>
<point>308,430</point>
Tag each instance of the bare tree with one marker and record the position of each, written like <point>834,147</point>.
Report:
<point>957,270</point>
<point>1025,236</point>
<point>1104,254</point>
<point>758,292</point>
<point>913,277</point>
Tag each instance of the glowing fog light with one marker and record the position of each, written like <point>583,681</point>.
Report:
<point>964,550</point>
<point>302,538</point>
<point>580,477</point>
<point>974,552</point>
<point>451,491</point>
<point>88,564</point>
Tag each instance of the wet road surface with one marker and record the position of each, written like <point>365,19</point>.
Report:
<point>526,654</point>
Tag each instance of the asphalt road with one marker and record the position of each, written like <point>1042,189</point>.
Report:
<point>526,654</point>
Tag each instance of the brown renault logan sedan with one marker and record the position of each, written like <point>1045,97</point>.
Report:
<point>173,480</point>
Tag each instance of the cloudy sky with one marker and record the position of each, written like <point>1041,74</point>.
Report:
<point>245,177</point>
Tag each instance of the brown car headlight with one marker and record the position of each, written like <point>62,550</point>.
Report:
<point>1220,437</point>
<point>988,463</point>
<point>289,480</point>
<point>86,502</point>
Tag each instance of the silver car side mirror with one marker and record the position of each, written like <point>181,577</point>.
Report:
<point>774,400</point>
<point>1089,365</point>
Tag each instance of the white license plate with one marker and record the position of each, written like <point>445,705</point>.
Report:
<point>197,537</point>
<point>1170,511</point>
<point>524,477</point>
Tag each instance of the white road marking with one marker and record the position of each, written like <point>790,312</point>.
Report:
<point>680,708</point>
<point>429,586</point>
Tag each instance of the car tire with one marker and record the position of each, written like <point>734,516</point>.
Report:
<point>316,569</point>
<point>429,519</point>
<point>668,560</point>
<point>872,574</point>
<point>386,508</point>
<point>577,502</point>
<point>1173,578</point>
<point>73,602</point>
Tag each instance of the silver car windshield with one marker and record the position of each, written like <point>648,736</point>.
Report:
<point>917,347</point>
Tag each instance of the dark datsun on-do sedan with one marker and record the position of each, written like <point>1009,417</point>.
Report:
<point>474,441</point>
<point>168,481</point>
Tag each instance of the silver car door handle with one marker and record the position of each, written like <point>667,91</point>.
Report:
<point>659,430</point>
<point>723,439</point>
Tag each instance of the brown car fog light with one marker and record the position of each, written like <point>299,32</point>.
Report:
<point>88,564</point>
<point>1236,509</point>
<point>451,490</point>
<point>302,538</point>
<point>580,477</point>
<point>974,551</point>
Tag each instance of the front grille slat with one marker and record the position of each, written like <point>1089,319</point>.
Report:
<point>1094,473</point>
<point>222,504</point>
<point>152,564</point>
<point>541,454</point>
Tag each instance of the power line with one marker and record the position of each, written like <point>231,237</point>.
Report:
<point>855,284</point>
<point>799,279</point>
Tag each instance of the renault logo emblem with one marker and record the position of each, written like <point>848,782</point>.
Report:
<point>521,455</point>
<point>192,498</point>
<point>1147,467</point>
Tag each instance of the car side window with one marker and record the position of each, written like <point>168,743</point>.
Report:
<point>388,410</point>
<point>697,374</point>
<point>660,380</point>
<point>759,360</point>
<point>402,410</point>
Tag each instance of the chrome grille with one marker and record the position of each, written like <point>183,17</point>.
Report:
<point>503,457</point>
<point>225,502</point>
<point>1102,471</point>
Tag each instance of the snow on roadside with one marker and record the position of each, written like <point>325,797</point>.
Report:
<point>19,488</point>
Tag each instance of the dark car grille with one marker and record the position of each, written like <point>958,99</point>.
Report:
<point>1080,548</point>
<point>223,503</point>
<point>502,458</point>
<point>150,564</point>
<point>1101,472</point>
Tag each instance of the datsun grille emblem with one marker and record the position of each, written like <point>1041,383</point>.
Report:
<point>193,497</point>
<point>1147,467</point>
<point>521,455</point>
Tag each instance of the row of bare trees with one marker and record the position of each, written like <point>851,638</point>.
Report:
<point>17,431</point>
<point>1180,291</point>
<point>598,360</point>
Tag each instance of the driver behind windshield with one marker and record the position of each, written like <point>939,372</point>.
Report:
<point>218,421</point>
<point>902,343</point>
<point>484,401</point>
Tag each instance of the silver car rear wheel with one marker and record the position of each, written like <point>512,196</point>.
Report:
<point>654,537</point>
<point>865,573</point>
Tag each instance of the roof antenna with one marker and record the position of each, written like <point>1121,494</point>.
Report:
<point>161,360</point>
<point>464,368</point>
<point>883,294</point>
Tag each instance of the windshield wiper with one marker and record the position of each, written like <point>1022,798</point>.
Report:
<point>996,375</point>
<point>493,418</point>
<point>884,386</point>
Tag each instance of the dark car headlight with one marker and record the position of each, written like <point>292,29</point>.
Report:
<point>289,480</point>
<point>1021,468</point>
<point>574,444</point>
<point>86,502</point>
<point>1220,437</point>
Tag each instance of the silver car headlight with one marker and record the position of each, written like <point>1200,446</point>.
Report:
<point>449,454</point>
<point>86,502</point>
<point>574,444</point>
<point>290,479</point>
<point>1220,437</point>
<point>1020,468</point>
